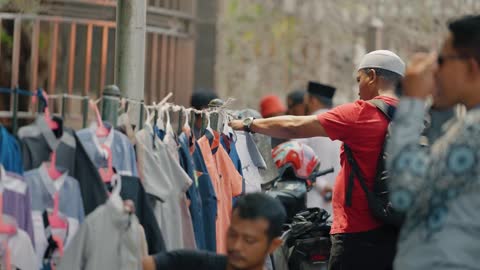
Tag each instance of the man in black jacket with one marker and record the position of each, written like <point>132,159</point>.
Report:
<point>254,233</point>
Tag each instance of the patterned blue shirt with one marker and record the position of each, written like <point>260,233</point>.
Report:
<point>438,187</point>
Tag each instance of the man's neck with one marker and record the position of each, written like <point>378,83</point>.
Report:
<point>472,101</point>
<point>387,93</point>
<point>260,267</point>
<point>317,108</point>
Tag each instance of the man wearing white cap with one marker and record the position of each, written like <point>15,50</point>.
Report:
<point>359,241</point>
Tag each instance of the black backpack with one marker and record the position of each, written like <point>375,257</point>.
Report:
<point>378,199</point>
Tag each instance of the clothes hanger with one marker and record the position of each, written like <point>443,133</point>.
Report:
<point>168,125</point>
<point>227,129</point>
<point>160,124</point>
<point>181,113</point>
<point>54,218</point>
<point>101,131</point>
<point>150,117</point>
<point>107,173</point>
<point>46,113</point>
<point>116,199</point>
<point>7,256</point>
<point>52,170</point>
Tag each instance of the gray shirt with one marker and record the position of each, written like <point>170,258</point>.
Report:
<point>22,255</point>
<point>438,187</point>
<point>252,161</point>
<point>108,239</point>
<point>167,182</point>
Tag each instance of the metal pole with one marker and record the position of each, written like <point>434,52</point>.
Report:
<point>85,112</point>
<point>15,111</point>
<point>110,104</point>
<point>142,113</point>
<point>130,49</point>
<point>64,106</point>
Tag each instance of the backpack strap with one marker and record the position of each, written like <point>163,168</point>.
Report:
<point>355,171</point>
<point>387,109</point>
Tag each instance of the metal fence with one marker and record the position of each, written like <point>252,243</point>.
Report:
<point>70,46</point>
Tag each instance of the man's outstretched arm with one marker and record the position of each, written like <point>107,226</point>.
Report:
<point>285,127</point>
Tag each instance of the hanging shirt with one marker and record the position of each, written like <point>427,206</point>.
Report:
<point>186,161</point>
<point>22,254</point>
<point>328,152</point>
<point>227,183</point>
<point>109,239</point>
<point>252,161</point>
<point>208,198</point>
<point>10,152</point>
<point>230,146</point>
<point>123,154</point>
<point>132,189</point>
<point>43,189</point>
<point>17,201</point>
<point>167,183</point>
<point>38,141</point>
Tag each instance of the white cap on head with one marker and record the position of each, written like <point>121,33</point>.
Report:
<point>383,59</point>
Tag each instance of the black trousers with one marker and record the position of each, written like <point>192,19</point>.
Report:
<point>372,250</point>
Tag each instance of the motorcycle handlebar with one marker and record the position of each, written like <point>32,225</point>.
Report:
<point>324,172</point>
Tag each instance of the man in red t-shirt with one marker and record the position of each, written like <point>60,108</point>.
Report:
<point>359,241</point>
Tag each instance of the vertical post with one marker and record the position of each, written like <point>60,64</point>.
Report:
<point>110,104</point>
<point>130,48</point>
<point>64,105</point>
<point>15,111</point>
<point>85,111</point>
<point>42,104</point>
<point>142,113</point>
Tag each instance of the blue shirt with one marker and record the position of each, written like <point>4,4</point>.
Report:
<point>42,190</point>
<point>186,161</point>
<point>208,198</point>
<point>123,154</point>
<point>10,154</point>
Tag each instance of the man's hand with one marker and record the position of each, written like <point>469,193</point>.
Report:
<point>419,80</point>
<point>148,263</point>
<point>236,124</point>
<point>326,189</point>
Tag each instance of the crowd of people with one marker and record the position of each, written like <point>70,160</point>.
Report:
<point>407,111</point>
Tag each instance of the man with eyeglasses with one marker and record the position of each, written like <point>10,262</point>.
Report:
<point>439,187</point>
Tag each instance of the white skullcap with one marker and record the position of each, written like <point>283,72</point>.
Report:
<point>383,59</point>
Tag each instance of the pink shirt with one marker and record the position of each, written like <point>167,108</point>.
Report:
<point>227,183</point>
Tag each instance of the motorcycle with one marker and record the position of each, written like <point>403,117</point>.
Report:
<point>307,232</point>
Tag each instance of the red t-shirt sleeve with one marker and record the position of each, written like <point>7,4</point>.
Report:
<point>340,122</point>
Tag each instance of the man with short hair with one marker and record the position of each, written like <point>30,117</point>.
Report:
<point>359,241</point>
<point>438,187</point>
<point>318,100</point>
<point>254,234</point>
<point>295,103</point>
<point>199,101</point>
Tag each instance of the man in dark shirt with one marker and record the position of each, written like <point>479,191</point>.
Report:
<point>254,233</point>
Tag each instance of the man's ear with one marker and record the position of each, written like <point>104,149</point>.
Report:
<point>372,76</point>
<point>473,67</point>
<point>274,244</point>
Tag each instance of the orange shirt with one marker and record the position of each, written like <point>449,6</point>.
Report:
<point>226,181</point>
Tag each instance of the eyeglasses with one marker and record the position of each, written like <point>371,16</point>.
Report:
<point>443,58</point>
